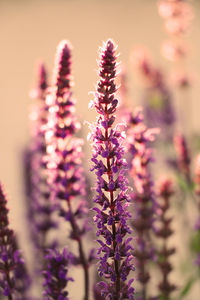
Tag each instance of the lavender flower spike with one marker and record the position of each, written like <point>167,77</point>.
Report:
<point>40,209</point>
<point>13,284</point>
<point>64,159</point>
<point>115,251</point>
<point>138,148</point>
<point>56,275</point>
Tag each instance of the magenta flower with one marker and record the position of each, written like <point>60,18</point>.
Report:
<point>115,251</point>
<point>64,156</point>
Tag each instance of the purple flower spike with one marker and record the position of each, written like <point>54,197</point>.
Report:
<point>115,251</point>
<point>158,98</point>
<point>40,209</point>
<point>14,280</point>
<point>64,156</point>
<point>164,231</point>
<point>140,158</point>
<point>56,275</point>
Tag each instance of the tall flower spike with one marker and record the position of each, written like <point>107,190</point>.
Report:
<point>177,16</point>
<point>40,209</point>
<point>115,251</point>
<point>56,275</point>
<point>140,157</point>
<point>64,158</point>
<point>158,104</point>
<point>62,70</point>
<point>12,282</point>
<point>164,231</point>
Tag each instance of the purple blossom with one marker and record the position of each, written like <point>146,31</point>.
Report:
<point>64,155</point>
<point>115,251</point>
<point>14,280</point>
<point>56,275</point>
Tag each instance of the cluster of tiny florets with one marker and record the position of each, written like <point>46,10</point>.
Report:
<point>115,251</point>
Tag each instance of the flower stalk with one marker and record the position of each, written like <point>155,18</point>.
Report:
<point>164,231</point>
<point>64,156</point>
<point>115,252</point>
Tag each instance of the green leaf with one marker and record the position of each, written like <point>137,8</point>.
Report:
<point>182,183</point>
<point>195,242</point>
<point>187,287</point>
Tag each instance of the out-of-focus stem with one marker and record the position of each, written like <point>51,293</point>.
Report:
<point>81,252</point>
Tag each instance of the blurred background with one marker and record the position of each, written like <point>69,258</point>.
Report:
<point>31,30</point>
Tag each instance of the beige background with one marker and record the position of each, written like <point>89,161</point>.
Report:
<point>32,29</point>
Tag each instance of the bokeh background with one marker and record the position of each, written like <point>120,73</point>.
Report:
<point>31,30</point>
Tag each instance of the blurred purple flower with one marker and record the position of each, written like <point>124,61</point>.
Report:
<point>39,207</point>
<point>56,275</point>
<point>139,157</point>
<point>158,104</point>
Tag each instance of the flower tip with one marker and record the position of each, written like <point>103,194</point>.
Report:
<point>41,69</point>
<point>2,193</point>
<point>64,47</point>
<point>110,44</point>
<point>62,69</point>
<point>166,186</point>
<point>63,52</point>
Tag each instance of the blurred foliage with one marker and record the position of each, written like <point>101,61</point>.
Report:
<point>187,287</point>
<point>195,242</point>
